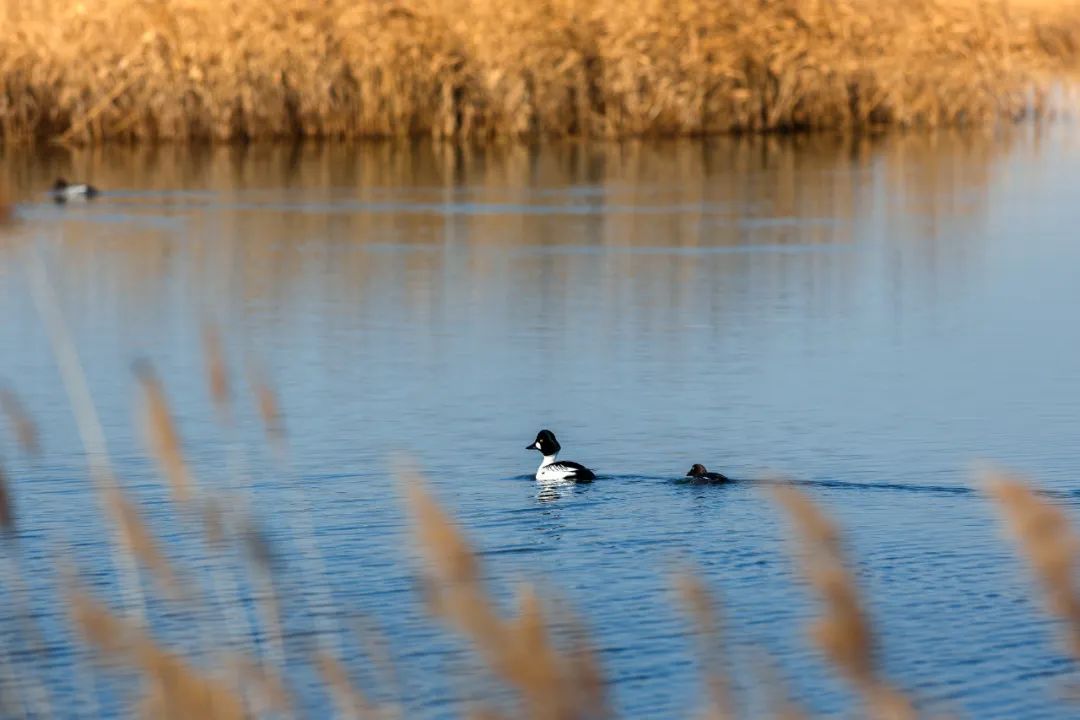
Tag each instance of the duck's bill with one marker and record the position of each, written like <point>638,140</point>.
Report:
<point>534,446</point>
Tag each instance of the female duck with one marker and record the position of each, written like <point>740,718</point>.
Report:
<point>699,474</point>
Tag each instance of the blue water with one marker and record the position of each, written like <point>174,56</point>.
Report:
<point>863,318</point>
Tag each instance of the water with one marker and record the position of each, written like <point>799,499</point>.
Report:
<point>866,318</point>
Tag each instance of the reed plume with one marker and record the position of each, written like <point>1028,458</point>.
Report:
<point>844,633</point>
<point>700,606</point>
<point>24,427</point>
<point>178,690</point>
<point>778,697</point>
<point>350,700</point>
<point>217,377</point>
<point>138,539</point>
<point>550,684</point>
<point>268,688</point>
<point>1051,546</point>
<point>161,433</point>
<point>269,409</point>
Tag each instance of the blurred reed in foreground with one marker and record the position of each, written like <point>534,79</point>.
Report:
<point>1051,546</point>
<point>844,633</point>
<point>541,663</point>
<point>243,69</point>
<point>545,676</point>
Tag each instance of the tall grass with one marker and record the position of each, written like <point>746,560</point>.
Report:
<point>232,70</point>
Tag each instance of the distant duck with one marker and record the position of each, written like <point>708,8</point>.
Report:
<point>701,475</point>
<point>553,469</point>
<point>62,191</point>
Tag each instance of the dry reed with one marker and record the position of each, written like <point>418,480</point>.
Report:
<point>161,433</point>
<point>242,70</point>
<point>178,690</point>
<point>700,606</point>
<point>1049,543</point>
<point>844,632</point>
<point>350,700</point>
<point>269,409</point>
<point>217,377</point>
<point>269,689</point>
<point>550,683</point>
<point>26,432</point>
<point>138,539</point>
<point>780,703</point>
<point>377,649</point>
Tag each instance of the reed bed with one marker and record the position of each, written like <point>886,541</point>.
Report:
<point>238,70</point>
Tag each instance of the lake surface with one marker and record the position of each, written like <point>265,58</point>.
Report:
<point>864,317</point>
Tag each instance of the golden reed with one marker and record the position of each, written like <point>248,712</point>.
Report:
<point>551,683</point>
<point>161,433</point>
<point>22,425</point>
<point>844,632</point>
<point>90,70</point>
<point>1050,544</point>
<point>175,688</point>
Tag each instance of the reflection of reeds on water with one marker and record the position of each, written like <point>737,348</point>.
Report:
<point>319,209</point>
<point>243,69</point>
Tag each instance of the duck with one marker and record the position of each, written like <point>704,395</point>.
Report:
<point>701,475</point>
<point>62,191</point>
<point>552,469</point>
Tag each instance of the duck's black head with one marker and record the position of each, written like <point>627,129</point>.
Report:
<point>545,442</point>
<point>60,185</point>
<point>697,471</point>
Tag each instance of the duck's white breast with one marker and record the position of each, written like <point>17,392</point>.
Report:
<point>554,471</point>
